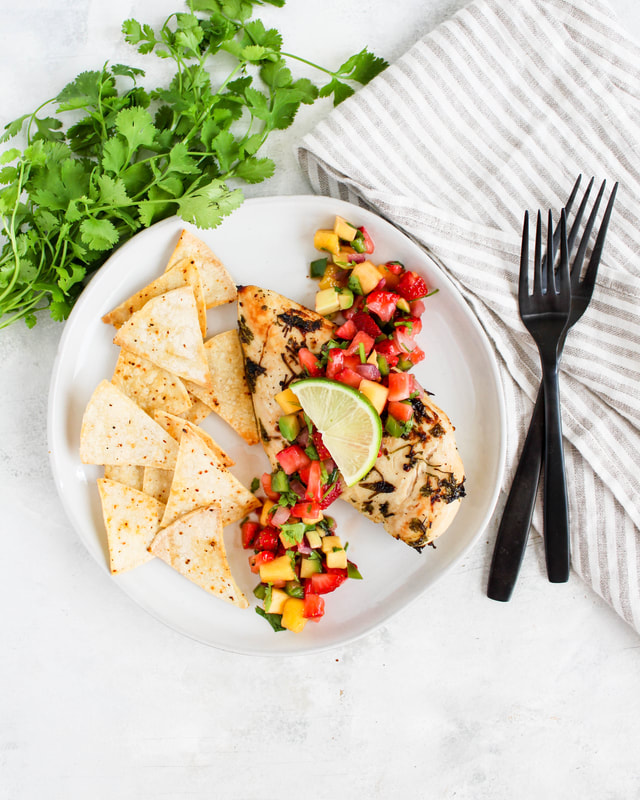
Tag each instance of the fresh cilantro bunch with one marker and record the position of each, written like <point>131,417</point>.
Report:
<point>130,157</point>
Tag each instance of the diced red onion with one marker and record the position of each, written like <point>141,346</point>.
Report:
<point>368,371</point>
<point>304,549</point>
<point>280,516</point>
<point>297,487</point>
<point>303,437</point>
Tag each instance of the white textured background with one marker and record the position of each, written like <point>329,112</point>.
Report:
<point>459,697</point>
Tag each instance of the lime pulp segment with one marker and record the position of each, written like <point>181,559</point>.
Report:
<point>350,426</point>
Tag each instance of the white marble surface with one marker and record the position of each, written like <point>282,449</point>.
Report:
<point>458,697</point>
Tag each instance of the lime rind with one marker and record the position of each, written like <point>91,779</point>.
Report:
<point>350,425</point>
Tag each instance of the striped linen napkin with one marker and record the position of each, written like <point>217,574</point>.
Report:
<point>495,111</point>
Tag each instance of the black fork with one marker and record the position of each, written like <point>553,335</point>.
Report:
<point>516,520</point>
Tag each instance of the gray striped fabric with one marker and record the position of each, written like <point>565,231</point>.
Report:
<point>496,111</point>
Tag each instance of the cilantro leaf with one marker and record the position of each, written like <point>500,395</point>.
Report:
<point>99,234</point>
<point>255,170</point>
<point>206,207</point>
<point>362,67</point>
<point>274,620</point>
<point>136,125</point>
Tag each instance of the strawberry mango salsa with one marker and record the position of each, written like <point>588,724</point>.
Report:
<point>377,308</point>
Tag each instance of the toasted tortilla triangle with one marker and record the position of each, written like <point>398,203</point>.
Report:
<point>117,431</point>
<point>229,394</point>
<point>182,274</point>
<point>217,284</point>
<point>200,479</point>
<point>132,519</point>
<point>175,426</point>
<point>416,484</point>
<point>148,385</point>
<point>197,411</point>
<point>127,474</point>
<point>166,332</point>
<point>194,546</point>
<point>157,483</point>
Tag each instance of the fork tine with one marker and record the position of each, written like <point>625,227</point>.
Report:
<point>575,227</point>
<point>551,256</point>
<point>523,281</point>
<point>562,275</point>
<point>582,247</point>
<point>592,268</point>
<point>537,263</point>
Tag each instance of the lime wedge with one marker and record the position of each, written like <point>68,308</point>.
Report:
<point>350,426</point>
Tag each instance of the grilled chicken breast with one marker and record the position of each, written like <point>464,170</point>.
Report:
<point>417,483</point>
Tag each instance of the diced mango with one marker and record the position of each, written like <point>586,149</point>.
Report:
<point>278,599</point>
<point>327,301</point>
<point>292,616</point>
<point>392,280</point>
<point>333,276</point>
<point>288,402</point>
<point>313,520</point>
<point>308,567</point>
<point>337,559</point>
<point>368,275</point>
<point>375,392</point>
<point>344,229</point>
<point>279,569</point>
<point>264,513</point>
<point>326,240</point>
<point>329,542</point>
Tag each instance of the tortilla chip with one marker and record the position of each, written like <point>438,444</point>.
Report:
<point>149,386</point>
<point>117,431</point>
<point>194,546</point>
<point>229,394</point>
<point>199,479</point>
<point>218,286</point>
<point>157,483</point>
<point>183,274</point>
<point>166,332</point>
<point>197,412</point>
<point>175,427</point>
<point>132,519</point>
<point>125,473</point>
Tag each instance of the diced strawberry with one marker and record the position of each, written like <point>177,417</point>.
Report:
<point>412,325</point>
<point>412,286</point>
<point>309,362</point>
<point>313,606</point>
<point>306,510</point>
<point>387,347</point>
<point>401,385</point>
<point>314,482</point>
<point>349,377</point>
<point>335,362</point>
<point>361,338</point>
<point>358,304</point>
<point>267,540</point>
<point>263,557</point>
<point>265,480</point>
<point>417,308</point>
<point>400,411</point>
<point>395,267</point>
<point>249,531</point>
<point>365,322</point>
<point>292,459</point>
<point>320,446</point>
<point>347,330</point>
<point>382,304</point>
<point>416,355</point>
<point>325,582</point>
<point>330,496</point>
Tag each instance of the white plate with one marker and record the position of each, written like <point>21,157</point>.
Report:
<point>269,242</point>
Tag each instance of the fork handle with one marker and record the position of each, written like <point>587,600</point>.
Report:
<point>555,508</point>
<point>513,532</point>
